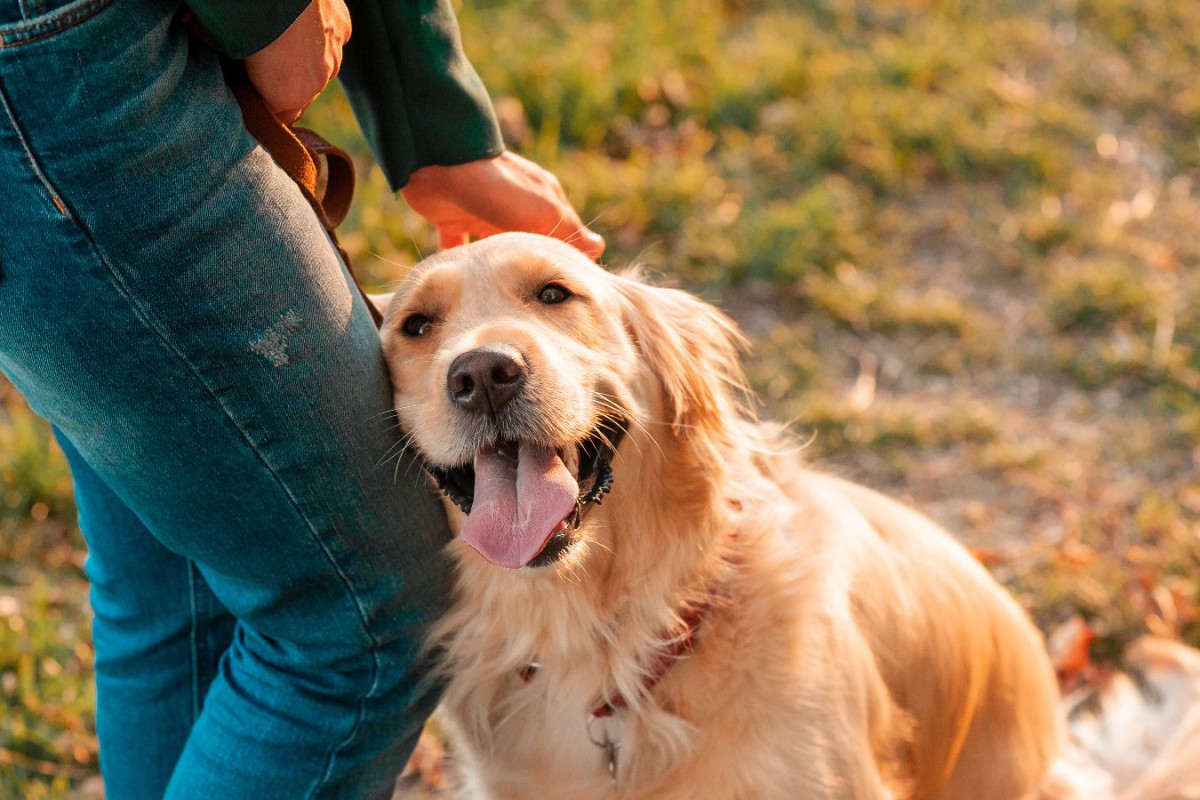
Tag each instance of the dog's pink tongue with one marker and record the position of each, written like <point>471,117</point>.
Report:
<point>518,504</point>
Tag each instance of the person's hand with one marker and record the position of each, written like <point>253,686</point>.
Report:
<point>493,195</point>
<point>292,70</point>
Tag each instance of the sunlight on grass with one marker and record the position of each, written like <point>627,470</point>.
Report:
<point>47,741</point>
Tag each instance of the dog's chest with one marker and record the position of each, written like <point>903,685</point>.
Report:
<point>541,739</point>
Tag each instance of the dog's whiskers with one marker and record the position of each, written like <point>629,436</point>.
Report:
<point>609,403</point>
<point>390,412</point>
<point>396,450</point>
<point>396,469</point>
<point>400,457</point>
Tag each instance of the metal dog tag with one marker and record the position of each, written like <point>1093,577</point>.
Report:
<point>611,748</point>
<point>605,733</point>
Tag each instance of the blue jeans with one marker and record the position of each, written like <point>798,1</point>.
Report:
<point>263,568</point>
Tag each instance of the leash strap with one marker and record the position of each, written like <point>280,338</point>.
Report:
<point>301,153</point>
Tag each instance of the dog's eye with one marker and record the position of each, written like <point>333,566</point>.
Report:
<point>417,325</point>
<point>552,293</point>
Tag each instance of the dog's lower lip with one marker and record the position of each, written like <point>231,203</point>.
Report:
<point>555,548</point>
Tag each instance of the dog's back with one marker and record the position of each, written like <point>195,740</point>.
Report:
<point>960,660</point>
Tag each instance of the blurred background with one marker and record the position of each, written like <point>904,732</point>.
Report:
<point>963,237</point>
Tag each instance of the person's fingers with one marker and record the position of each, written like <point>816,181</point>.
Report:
<point>591,243</point>
<point>451,237</point>
<point>289,117</point>
<point>533,213</point>
<point>569,230</point>
<point>548,211</point>
<point>463,229</point>
<point>489,196</point>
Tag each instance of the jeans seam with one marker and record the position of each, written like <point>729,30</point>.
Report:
<point>34,164</point>
<point>359,717</point>
<point>193,639</point>
<point>42,27</point>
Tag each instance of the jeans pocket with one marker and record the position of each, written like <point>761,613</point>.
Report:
<point>26,21</point>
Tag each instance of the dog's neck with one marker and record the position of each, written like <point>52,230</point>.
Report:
<point>679,641</point>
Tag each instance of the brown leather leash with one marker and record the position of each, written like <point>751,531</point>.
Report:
<point>301,153</point>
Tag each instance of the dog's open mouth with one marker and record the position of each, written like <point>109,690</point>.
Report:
<point>525,501</point>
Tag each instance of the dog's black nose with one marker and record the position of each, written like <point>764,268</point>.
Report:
<point>485,379</point>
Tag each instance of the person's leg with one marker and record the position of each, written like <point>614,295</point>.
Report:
<point>169,301</point>
<point>159,634</point>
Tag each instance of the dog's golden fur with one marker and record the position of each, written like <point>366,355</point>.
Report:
<point>853,650</point>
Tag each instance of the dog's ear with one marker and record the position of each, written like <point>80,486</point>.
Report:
<point>692,348</point>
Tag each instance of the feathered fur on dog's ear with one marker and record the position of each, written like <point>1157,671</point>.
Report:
<point>692,348</point>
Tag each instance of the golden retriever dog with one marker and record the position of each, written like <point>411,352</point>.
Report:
<point>655,598</point>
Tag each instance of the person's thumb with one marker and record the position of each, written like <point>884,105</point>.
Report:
<point>451,237</point>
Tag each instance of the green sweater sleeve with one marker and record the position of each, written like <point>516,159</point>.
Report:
<point>418,100</point>
<point>240,28</point>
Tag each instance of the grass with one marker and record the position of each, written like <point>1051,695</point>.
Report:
<point>47,740</point>
<point>963,237</point>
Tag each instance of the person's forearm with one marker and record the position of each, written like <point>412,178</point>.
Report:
<point>416,96</point>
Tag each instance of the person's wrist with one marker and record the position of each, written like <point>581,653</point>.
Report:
<point>439,174</point>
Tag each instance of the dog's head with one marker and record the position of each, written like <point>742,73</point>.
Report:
<point>521,369</point>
